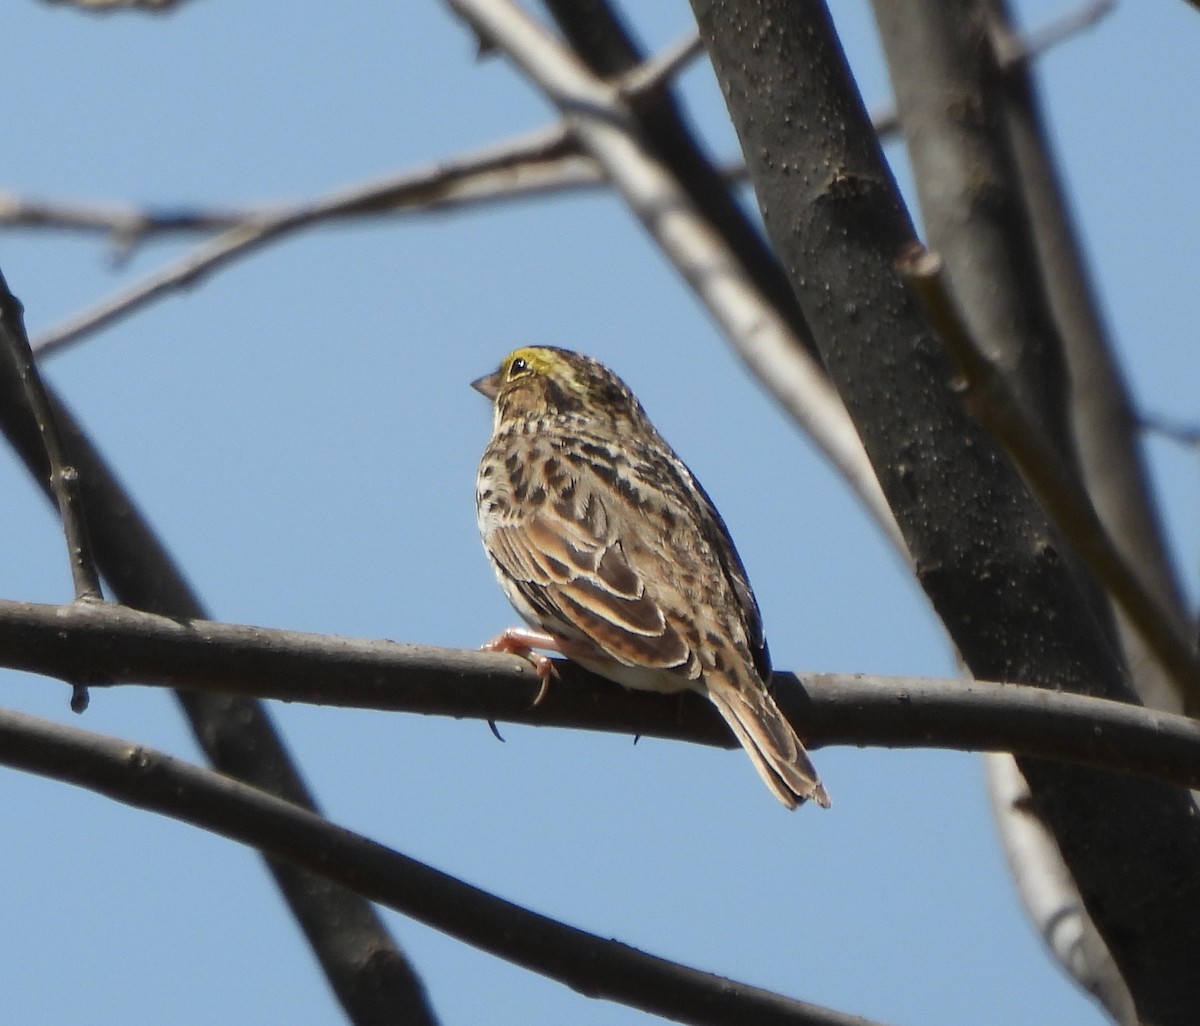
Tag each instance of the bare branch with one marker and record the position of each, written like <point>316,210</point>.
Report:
<point>151,780</point>
<point>64,480</point>
<point>535,162</point>
<point>538,163</point>
<point>126,223</point>
<point>657,71</point>
<point>129,226</point>
<point>111,6</point>
<point>989,397</point>
<point>1048,892</point>
<point>980,542</point>
<point>1177,431</point>
<point>116,645</point>
<point>372,979</point>
<point>1013,49</point>
<point>598,118</point>
<point>1103,414</point>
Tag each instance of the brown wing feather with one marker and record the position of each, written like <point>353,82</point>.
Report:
<point>592,586</point>
<point>571,563</point>
<point>721,543</point>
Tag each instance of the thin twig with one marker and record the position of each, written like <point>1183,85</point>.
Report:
<point>658,70</point>
<point>127,224</point>
<point>151,780</point>
<point>605,128</point>
<point>1178,431</point>
<point>118,644</point>
<point>1013,48</point>
<point>990,399</point>
<point>64,481</point>
<point>111,6</point>
<point>497,172</point>
<point>366,970</point>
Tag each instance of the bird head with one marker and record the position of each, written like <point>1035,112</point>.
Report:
<point>536,381</point>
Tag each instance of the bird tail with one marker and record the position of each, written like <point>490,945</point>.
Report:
<point>769,740</point>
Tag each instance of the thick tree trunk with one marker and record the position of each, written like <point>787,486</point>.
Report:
<point>985,555</point>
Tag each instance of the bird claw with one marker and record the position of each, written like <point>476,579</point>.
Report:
<point>521,642</point>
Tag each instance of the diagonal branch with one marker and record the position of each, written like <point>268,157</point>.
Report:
<point>1103,413</point>
<point>151,780</point>
<point>984,552</point>
<point>537,163</point>
<point>367,971</point>
<point>606,128</point>
<point>121,645</point>
<point>991,399</point>
<point>533,162</point>
<point>64,480</point>
<point>601,40</point>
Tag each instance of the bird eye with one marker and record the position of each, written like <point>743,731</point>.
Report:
<point>518,367</point>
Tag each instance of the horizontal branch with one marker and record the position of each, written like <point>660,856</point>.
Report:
<point>108,644</point>
<point>597,967</point>
<point>108,6</point>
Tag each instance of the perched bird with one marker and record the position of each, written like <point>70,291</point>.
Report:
<point>607,545</point>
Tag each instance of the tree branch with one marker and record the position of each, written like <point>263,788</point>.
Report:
<point>601,40</point>
<point>1103,413</point>
<point>63,480</point>
<point>965,108</point>
<point>540,162</point>
<point>596,967</point>
<point>366,970</point>
<point>118,645</point>
<point>111,6</point>
<point>597,116</point>
<point>1014,50</point>
<point>990,398</point>
<point>492,173</point>
<point>984,552</point>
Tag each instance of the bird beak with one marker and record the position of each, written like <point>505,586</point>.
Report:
<point>488,386</point>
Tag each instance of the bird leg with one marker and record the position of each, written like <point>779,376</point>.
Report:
<point>523,642</point>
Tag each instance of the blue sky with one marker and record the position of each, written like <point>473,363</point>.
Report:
<point>300,430</point>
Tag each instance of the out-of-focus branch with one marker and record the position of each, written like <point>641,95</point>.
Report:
<point>128,225</point>
<point>536,163</point>
<point>366,970</point>
<point>1049,894</point>
<point>597,116</point>
<point>597,967</point>
<point>1177,431</point>
<point>493,172</point>
<point>1103,416</point>
<point>989,397</point>
<point>981,544</point>
<point>1014,49</point>
<point>655,73</point>
<point>1017,52</point>
<point>120,645</point>
<point>1103,422</point>
<point>602,41</point>
<point>958,99</point>
<point>111,6</point>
